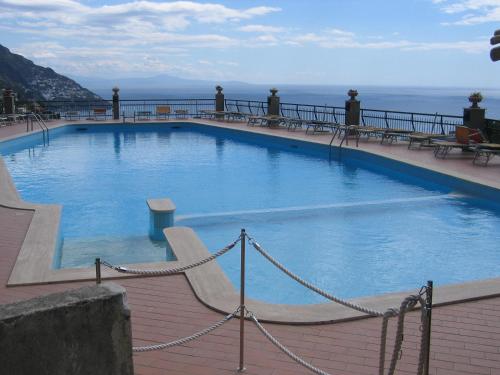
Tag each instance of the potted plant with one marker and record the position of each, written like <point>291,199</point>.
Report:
<point>352,93</point>
<point>475,98</point>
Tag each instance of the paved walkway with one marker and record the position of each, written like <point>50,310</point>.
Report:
<point>465,336</point>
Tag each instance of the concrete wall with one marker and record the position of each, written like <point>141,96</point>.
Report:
<point>83,331</point>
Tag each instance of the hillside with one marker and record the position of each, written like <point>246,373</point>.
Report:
<point>34,82</point>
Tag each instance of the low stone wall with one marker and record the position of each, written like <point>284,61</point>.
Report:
<point>79,332</point>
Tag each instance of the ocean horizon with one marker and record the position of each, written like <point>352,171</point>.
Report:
<point>442,100</point>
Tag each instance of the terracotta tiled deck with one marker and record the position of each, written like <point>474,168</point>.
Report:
<point>465,336</point>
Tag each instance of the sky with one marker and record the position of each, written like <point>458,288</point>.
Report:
<point>355,42</point>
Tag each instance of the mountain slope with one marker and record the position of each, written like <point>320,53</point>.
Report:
<point>33,82</point>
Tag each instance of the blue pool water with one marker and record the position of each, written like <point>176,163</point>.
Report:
<point>351,225</point>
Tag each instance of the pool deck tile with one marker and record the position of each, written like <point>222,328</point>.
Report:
<point>465,336</point>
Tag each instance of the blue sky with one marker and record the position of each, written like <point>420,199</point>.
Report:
<point>355,42</point>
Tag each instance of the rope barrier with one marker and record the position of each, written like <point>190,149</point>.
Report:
<point>383,342</point>
<point>408,303</point>
<point>172,271</point>
<point>140,349</point>
<point>312,287</point>
<point>285,350</point>
<point>423,342</point>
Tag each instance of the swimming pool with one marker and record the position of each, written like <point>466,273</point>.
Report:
<point>354,225</point>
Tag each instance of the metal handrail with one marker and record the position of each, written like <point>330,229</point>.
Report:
<point>41,123</point>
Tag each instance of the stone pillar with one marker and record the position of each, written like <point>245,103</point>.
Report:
<point>219,99</point>
<point>273,103</point>
<point>219,102</point>
<point>116,103</point>
<point>161,216</point>
<point>78,332</point>
<point>9,106</point>
<point>352,109</point>
<point>474,116</point>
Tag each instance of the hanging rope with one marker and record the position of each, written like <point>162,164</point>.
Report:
<point>285,350</point>
<point>172,271</point>
<point>139,349</point>
<point>313,287</point>
<point>408,303</point>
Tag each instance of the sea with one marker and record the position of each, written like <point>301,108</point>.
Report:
<point>442,100</point>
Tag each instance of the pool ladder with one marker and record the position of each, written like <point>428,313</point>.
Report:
<point>35,117</point>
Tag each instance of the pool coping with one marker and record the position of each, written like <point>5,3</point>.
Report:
<point>209,283</point>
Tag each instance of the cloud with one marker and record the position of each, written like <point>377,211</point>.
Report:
<point>261,29</point>
<point>340,33</point>
<point>73,12</point>
<point>182,37</point>
<point>348,40</point>
<point>476,11</point>
<point>127,17</point>
<point>120,31</point>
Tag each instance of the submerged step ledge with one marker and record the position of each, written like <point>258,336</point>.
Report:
<point>334,206</point>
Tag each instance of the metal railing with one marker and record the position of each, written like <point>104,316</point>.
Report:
<point>127,109</point>
<point>77,109</point>
<point>492,128</point>
<point>249,107</point>
<point>412,121</point>
<point>177,107</point>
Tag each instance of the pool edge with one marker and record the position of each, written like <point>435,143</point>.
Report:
<point>33,266</point>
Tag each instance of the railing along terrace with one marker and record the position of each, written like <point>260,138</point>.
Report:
<point>310,112</point>
<point>413,121</point>
<point>249,107</point>
<point>492,128</point>
<point>291,110</point>
<point>76,108</point>
<point>176,107</point>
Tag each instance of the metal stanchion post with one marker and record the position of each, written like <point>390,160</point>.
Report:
<point>428,308</point>
<point>97,271</point>
<point>241,367</point>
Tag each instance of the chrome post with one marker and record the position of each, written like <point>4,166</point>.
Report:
<point>241,366</point>
<point>97,271</point>
<point>428,308</point>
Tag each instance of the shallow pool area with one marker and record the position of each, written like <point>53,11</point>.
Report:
<point>350,225</point>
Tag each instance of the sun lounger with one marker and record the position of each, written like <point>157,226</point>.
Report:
<point>293,124</point>
<point>225,115</point>
<point>418,140</point>
<point>466,139</point>
<point>356,132</point>
<point>318,126</point>
<point>142,115</point>
<point>238,115</point>
<point>163,111</point>
<point>4,121</point>
<point>392,135</point>
<point>269,121</point>
<point>71,115</point>
<point>98,113</point>
<point>214,115</point>
<point>181,113</point>
<point>484,152</point>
